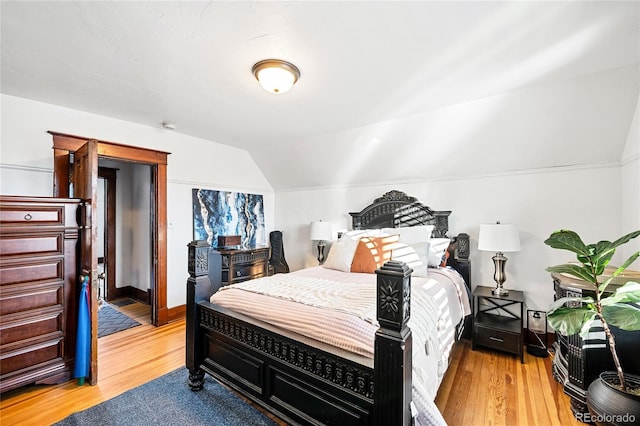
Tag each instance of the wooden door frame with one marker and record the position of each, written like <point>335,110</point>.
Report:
<point>66,144</point>
<point>109,176</point>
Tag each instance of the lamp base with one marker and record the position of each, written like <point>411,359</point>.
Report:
<point>321,246</point>
<point>499,276</point>
<point>500,291</point>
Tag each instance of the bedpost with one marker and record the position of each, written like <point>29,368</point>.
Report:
<point>393,343</point>
<point>198,288</point>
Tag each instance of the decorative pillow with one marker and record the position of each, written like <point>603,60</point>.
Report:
<point>407,254</point>
<point>341,254</point>
<point>372,253</point>
<point>413,234</point>
<point>437,249</point>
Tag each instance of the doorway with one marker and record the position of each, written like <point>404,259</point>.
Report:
<point>107,225</point>
<point>124,231</point>
<point>86,182</point>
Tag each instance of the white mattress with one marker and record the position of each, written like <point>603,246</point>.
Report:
<point>339,308</point>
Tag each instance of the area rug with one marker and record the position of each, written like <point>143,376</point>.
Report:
<point>168,400</point>
<point>122,302</point>
<point>111,321</point>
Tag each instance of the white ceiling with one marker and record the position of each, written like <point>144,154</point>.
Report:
<point>389,91</point>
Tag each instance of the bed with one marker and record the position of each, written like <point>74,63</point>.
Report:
<point>308,376</point>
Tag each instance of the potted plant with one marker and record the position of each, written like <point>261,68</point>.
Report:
<point>571,315</point>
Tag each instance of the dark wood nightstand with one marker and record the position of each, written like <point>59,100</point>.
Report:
<point>239,265</point>
<point>497,321</point>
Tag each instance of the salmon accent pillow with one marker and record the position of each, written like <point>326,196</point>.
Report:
<point>372,253</point>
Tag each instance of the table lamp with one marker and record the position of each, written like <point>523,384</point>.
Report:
<point>321,232</point>
<point>499,238</point>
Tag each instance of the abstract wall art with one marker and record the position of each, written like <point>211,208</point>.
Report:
<point>218,213</point>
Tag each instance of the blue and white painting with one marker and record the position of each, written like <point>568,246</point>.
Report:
<point>228,213</point>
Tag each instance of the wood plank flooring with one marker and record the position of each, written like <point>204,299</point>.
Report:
<point>484,387</point>
<point>480,388</point>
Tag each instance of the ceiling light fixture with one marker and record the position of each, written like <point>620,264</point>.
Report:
<point>275,75</point>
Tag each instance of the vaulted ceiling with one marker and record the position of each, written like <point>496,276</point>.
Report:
<point>389,91</point>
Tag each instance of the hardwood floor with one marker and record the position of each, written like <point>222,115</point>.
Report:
<point>483,387</point>
<point>480,387</point>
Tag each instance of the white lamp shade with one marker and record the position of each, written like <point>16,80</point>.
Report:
<point>321,231</point>
<point>498,237</point>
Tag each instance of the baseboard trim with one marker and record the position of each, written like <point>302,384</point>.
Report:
<point>143,296</point>
<point>177,313</point>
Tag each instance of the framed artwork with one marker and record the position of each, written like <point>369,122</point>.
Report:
<point>217,213</point>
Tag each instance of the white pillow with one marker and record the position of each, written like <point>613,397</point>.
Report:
<point>357,233</point>
<point>437,248</point>
<point>413,234</point>
<point>407,254</point>
<point>422,249</point>
<point>341,254</point>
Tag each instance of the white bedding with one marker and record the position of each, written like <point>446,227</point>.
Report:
<point>339,308</point>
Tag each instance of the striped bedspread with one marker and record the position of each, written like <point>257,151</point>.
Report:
<point>339,309</point>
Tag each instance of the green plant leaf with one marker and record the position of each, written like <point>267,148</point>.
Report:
<point>626,238</point>
<point>586,325</point>
<point>602,253</point>
<point>618,271</point>
<point>569,321</point>
<point>622,315</point>
<point>577,271</point>
<point>630,292</point>
<point>567,240</point>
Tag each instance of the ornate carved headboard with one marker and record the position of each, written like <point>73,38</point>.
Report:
<point>395,209</point>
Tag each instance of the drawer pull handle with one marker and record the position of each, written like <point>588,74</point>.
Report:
<point>496,339</point>
<point>28,216</point>
<point>238,273</point>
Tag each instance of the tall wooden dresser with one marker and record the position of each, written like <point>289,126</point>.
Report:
<point>38,291</point>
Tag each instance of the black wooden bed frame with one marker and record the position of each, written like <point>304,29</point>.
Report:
<point>303,381</point>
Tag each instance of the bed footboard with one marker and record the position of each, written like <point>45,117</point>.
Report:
<point>300,380</point>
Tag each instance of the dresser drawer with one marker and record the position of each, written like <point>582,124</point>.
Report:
<point>31,356</point>
<point>497,339</point>
<point>32,245</point>
<point>247,256</point>
<point>246,271</point>
<point>48,269</point>
<point>29,216</point>
<point>17,212</point>
<point>26,326</point>
<point>29,296</point>
<point>239,265</point>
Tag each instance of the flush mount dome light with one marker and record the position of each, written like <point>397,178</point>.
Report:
<point>276,76</point>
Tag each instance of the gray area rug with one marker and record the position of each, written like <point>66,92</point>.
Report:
<point>168,400</point>
<point>111,321</point>
<point>122,302</point>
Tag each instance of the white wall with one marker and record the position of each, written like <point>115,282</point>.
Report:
<point>630,182</point>
<point>133,239</point>
<point>26,167</point>
<point>537,202</point>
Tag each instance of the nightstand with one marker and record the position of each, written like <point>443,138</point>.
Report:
<point>497,321</point>
<point>239,265</point>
